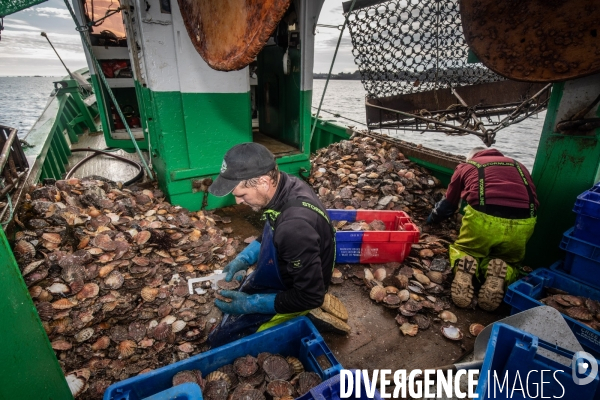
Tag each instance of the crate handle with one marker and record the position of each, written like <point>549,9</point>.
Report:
<point>316,348</point>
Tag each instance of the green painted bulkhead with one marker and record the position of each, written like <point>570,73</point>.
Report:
<point>565,166</point>
<point>191,115</point>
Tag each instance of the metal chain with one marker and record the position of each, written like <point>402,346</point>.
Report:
<point>403,47</point>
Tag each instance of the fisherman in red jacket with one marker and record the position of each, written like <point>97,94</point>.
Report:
<point>497,223</point>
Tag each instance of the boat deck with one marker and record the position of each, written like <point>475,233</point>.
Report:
<point>102,165</point>
<point>279,149</point>
<point>376,341</point>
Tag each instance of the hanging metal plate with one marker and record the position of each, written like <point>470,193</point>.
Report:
<point>534,40</point>
<point>228,34</point>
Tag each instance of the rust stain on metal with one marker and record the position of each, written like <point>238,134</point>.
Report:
<point>535,40</point>
<point>228,34</point>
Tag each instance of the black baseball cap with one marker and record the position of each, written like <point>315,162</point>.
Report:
<point>243,161</point>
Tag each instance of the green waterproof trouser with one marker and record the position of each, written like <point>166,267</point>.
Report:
<point>486,237</point>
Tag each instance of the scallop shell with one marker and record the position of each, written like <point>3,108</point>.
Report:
<point>35,291</point>
<point>377,293</point>
<point>24,249</point>
<point>280,388</point>
<point>161,331</point>
<point>76,286</point>
<point>101,344</point>
<point>392,300</point>
<point>77,384</point>
<point>409,329</point>
<point>149,294</point>
<point>114,280</point>
<point>84,335</point>
<point>296,365</point>
<point>105,270</point>
<point>422,321</point>
<point>448,316</point>
<point>45,296</point>
<point>580,313</point>
<point>52,237</point>
<point>215,390</point>
<point>104,242</point>
<point>435,276</point>
<point>169,319</point>
<point>276,367</point>
<point>391,290</point>
<point>223,284</point>
<point>379,274</point>
<point>422,279</point>
<point>142,237</point>
<point>88,291</point>
<point>61,345</point>
<point>45,310</point>
<point>217,376</point>
<point>29,268</point>
<point>573,300</point>
<point>246,366</point>
<point>136,330</point>
<point>178,326</point>
<point>126,348</point>
<point>307,381</point>
<point>186,347</point>
<point>63,304</point>
<point>57,288</point>
<point>72,272</point>
<point>452,332</point>
<point>119,333</point>
<point>187,376</point>
<point>404,295</point>
<point>475,329</point>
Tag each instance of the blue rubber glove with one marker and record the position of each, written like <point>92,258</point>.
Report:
<point>243,303</point>
<point>245,259</point>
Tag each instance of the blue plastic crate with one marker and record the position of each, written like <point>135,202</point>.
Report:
<point>368,247</point>
<point>582,259</point>
<point>330,390</point>
<point>587,223</point>
<point>511,350</point>
<point>298,338</point>
<point>526,293</point>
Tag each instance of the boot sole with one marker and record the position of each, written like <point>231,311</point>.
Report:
<point>492,291</point>
<point>462,286</point>
<point>328,323</point>
<point>332,305</point>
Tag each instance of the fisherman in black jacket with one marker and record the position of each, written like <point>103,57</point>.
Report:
<point>295,255</point>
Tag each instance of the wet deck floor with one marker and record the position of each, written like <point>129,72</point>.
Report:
<point>375,341</point>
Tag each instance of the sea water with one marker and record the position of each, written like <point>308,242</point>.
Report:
<point>22,100</point>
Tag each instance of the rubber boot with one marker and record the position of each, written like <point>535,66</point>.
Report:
<point>492,291</point>
<point>462,286</point>
<point>325,322</point>
<point>332,305</point>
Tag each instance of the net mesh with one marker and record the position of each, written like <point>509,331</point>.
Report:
<point>403,47</point>
<point>8,7</point>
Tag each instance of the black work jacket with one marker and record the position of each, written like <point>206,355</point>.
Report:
<point>305,247</point>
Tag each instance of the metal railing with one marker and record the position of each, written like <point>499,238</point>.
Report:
<point>13,168</point>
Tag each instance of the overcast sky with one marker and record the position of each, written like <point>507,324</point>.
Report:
<point>23,51</point>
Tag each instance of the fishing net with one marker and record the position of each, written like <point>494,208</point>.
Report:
<point>403,47</point>
<point>415,67</point>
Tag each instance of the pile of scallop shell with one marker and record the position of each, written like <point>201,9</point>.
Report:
<point>375,225</point>
<point>365,173</point>
<point>254,378</point>
<point>417,290</point>
<point>107,268</point>
<point>583,309</point>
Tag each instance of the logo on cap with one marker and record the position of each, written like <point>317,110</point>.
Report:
<point>224,166</point>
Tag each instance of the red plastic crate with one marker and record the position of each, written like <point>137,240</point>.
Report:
<point>367,247</point>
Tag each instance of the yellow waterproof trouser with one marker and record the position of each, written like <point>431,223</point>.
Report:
<point>486,237</point>
<point>279,319</point>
